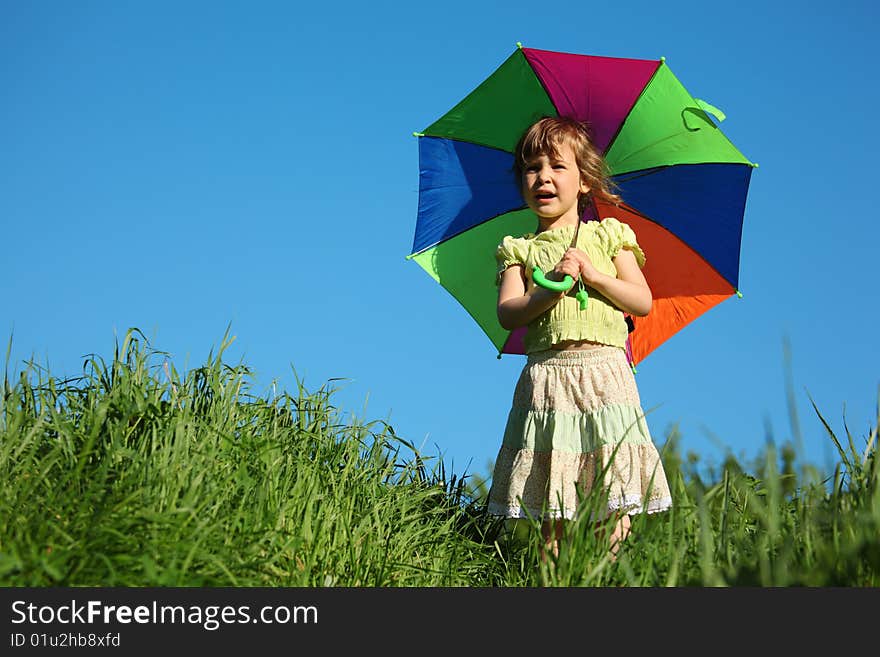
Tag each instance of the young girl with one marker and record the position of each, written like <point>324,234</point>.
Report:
<point>576,409</point>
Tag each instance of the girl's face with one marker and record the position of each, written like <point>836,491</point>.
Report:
<point>551,185</point>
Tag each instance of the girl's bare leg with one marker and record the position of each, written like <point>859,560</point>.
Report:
<point>621,531</point>
<point>618,534</point>
<point>551,532</point>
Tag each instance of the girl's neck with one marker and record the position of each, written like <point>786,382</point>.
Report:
<point>558,222</point>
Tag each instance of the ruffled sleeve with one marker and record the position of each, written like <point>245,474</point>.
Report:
<point>618,235</point>
<point>511,251</point>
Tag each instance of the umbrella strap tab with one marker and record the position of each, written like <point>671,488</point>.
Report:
<point>710,109</point>
<point>582,295</point>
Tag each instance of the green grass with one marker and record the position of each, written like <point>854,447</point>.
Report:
<point>137,475</point>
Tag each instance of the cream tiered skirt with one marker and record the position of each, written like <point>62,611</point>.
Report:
<point>576,430</point>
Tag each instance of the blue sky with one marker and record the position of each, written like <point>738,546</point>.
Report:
<point>183,166</point>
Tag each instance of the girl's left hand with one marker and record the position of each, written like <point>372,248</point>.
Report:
<point>588,272</point>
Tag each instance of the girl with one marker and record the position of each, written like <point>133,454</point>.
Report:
<point>576,412</point>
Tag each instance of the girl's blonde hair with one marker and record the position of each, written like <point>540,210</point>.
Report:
<point>545,136</point>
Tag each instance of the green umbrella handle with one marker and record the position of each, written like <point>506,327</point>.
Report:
<point>557,286</point>
<point>561,286</point>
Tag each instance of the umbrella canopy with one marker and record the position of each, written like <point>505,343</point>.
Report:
<point>683,183</point>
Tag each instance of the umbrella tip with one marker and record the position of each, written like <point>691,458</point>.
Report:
<point>418,134</point>
<point>662,58</point>
<point>739,294</point>
<point>519,44</point>
<point>755,165</point>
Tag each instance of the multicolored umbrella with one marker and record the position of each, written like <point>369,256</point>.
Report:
<point>683,182</point>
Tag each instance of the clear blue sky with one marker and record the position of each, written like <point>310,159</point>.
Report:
<point>180,166</point>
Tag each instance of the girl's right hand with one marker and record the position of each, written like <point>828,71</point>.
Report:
<point>568,266</point>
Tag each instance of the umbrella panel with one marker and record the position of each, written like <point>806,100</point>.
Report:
<point>461,185</point>
<point>465,266</point>
<point>667,126</point>
<point>499,110</point>
<point>598,90</point>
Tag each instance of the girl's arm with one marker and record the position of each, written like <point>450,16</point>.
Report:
<point>629,291</point>
<point>516,306</point>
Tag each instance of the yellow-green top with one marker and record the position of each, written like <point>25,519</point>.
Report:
<point>601,321</point>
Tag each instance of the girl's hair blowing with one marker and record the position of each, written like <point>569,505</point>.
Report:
<point>545,137</point>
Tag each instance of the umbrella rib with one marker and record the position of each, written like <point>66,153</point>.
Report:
<point>641,173</point>
<point>446,238</point>
<point>467,141</point>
